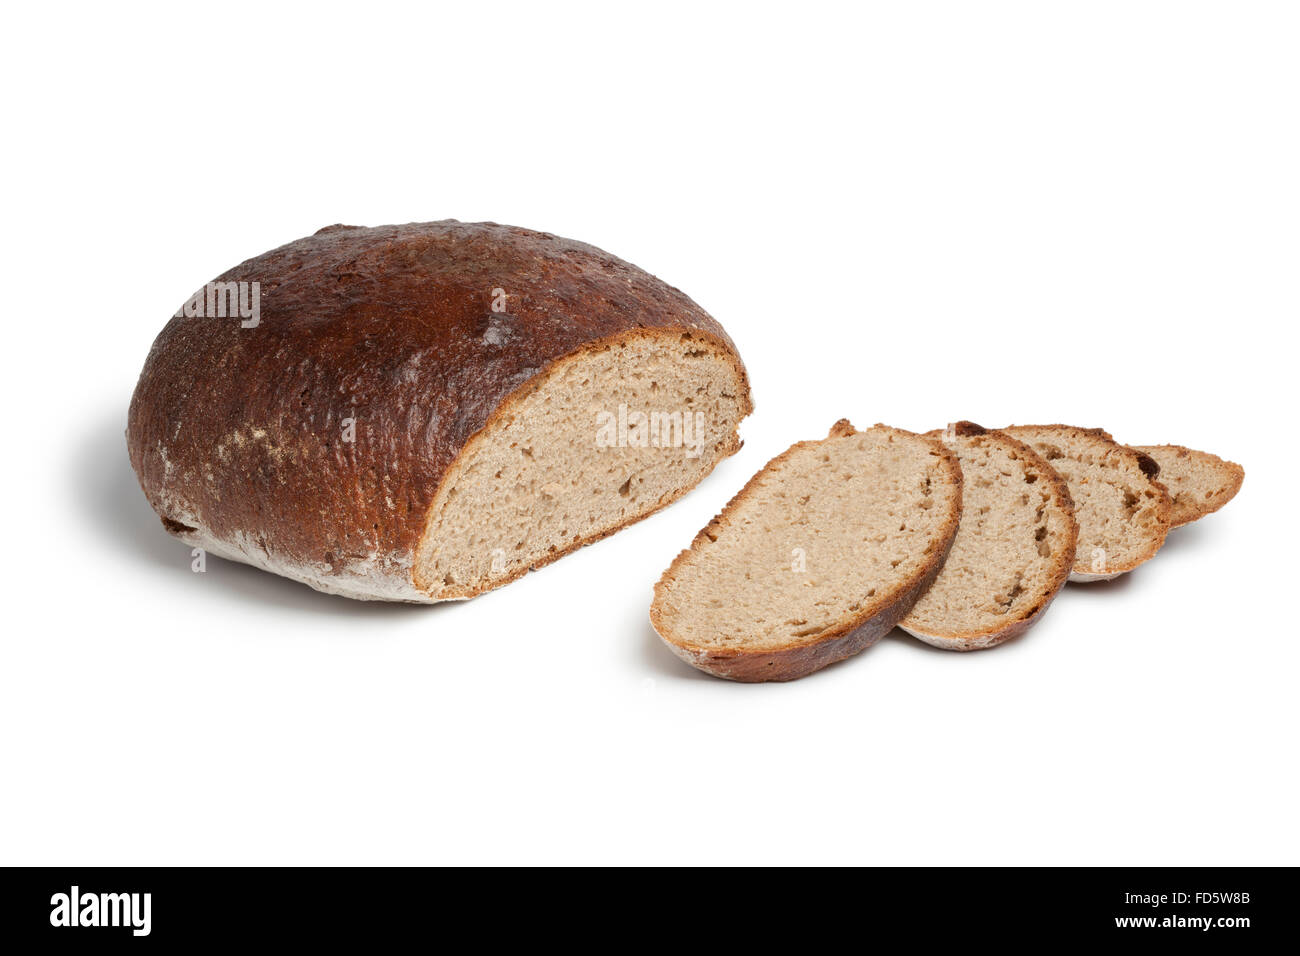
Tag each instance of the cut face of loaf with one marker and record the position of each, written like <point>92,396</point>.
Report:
<point>425,412</point>
<point>820,555</point>
<point>1013,551</point>
<point>1200,483</point>
<point>552,474</point>
<point>1122,511</point>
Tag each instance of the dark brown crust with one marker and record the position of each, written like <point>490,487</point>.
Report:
<point>962,429</point>
<point>1136,457</point>
<point>850,636</point>
<point>1184,513</point>
<point>391,325</point>
<point>1064,561</point>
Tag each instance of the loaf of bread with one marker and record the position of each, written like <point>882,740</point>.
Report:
<point>1014,547</point>
<point>1123,511</point>
<point>427,411</point>
<point>817,557</point>
<point>1200,483</point>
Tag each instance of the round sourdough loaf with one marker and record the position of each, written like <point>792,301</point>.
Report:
<point>423,412</point>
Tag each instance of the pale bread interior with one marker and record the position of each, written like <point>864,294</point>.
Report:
<point>1123,514</point>
<point>826,534</point>
<point>1014,546</point>
<point>554,471</point>
<point>1198,482</point>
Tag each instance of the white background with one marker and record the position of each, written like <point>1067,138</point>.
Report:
<point>907,213</point>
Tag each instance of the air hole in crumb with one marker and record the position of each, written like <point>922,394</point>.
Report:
<point>1130,503</point>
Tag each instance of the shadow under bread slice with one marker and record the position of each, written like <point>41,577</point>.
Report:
<point>1014,548</point>
<point>818,556</point>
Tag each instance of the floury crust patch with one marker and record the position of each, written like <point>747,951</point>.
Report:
<point>102,910</point>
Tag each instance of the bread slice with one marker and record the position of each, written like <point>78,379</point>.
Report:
<point>1199,482</point>
<point>817,557</point>
<point>1122,511</point>
<point>1014,548</point>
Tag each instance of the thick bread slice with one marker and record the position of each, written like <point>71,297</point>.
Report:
<point>426,412</point>
<point>1199,482</point>
<point>1122,511</point>
<point>816,558</point>
<point>1014,548</point>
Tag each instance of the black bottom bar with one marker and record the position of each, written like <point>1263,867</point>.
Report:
<point>383,907</point>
